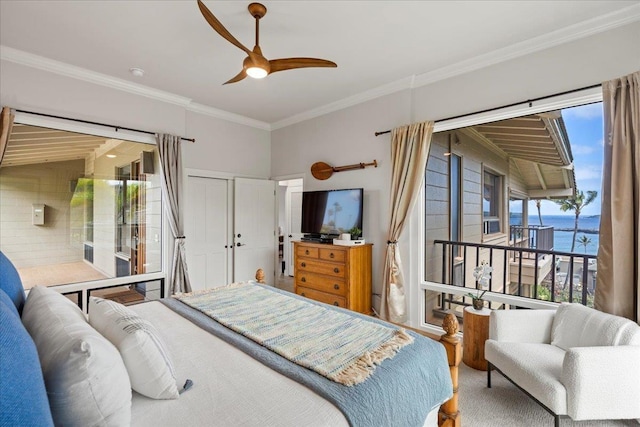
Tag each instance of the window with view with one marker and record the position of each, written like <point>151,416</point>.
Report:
<point>543,170</point>
<point>102,214</point>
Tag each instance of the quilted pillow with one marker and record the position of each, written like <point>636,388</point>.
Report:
<point>85,377</point>
<point>141,346</point>
<point>23,398</point>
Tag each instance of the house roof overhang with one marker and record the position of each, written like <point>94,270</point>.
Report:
<point>538,147</point>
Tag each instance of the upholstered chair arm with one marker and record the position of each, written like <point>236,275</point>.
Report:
<point>526,326</point>
<point>602,382</point>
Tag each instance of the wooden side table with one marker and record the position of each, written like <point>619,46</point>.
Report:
<point>475,333</point>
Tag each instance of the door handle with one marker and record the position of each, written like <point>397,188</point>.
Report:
<point>290,236</point>
<point>241,244</point>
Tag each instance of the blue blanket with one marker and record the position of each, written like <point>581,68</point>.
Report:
<point>401,392</point>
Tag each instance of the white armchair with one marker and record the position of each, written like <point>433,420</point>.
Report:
<point>574,361</point>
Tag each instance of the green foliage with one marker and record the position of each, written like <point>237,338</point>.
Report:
<point>584,241</point>
<point>355,232</point>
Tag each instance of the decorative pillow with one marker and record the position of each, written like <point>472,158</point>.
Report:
<point>85,377</point>
<point>10,282</point>
<point>23,398</point>
<point>4,298</point>
<point>142,349</point>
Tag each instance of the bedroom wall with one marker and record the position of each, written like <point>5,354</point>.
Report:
<point>221,146</point>
<point>346,136</point>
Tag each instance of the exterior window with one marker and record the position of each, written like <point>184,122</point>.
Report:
<point>455,196</point>
<point>492,188</point>
<point>516,211</point>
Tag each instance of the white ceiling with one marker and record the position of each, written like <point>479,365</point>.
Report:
<point>374,43</point>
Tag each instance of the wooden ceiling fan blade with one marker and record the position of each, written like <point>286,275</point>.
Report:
<point>241,76</point>
<point>219,28</point>
<point>293,63</point>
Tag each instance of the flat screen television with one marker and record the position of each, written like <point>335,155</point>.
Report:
<point>331,212</point>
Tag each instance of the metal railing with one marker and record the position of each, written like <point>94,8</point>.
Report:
<point>576,284</point>
<point>533,236</point>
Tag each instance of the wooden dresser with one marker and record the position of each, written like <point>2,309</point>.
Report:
<point>337,275</point>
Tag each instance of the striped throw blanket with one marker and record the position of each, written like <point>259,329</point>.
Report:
<point>341,347</point>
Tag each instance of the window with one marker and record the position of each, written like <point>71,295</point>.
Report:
<point>492,188</point>
<point>455,196</point>
<point>102,216</point>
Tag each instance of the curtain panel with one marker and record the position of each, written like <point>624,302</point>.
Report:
<point>618,279</point>
<point>171,165</point>
<point>409,152</point>
<point>6,123</point>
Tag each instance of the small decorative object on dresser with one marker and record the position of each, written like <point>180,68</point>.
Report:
<point>337,275</point>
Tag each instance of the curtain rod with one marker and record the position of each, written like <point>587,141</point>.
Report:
<point>528,101</point>
<point>117,128</point>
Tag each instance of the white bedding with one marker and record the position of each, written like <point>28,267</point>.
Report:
<point>230,388</point>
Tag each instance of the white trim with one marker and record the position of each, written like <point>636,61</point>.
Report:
<point>573,32</point>
<point>50,65</point>
<point>85,128</point>
<point>586,96</point>
<point>40,62</point>
<point>564,35</point>
<point>491,296</point>
<point>204,173</point>
<point>225,115</point>
<point>388,89</point>
<point>567,34</point>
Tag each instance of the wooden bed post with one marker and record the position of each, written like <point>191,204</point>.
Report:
<point>449,415</point>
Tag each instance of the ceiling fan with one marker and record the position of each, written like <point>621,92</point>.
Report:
<point>255,64</point>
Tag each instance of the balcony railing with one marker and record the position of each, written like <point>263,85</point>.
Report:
<point>534,237</point>
<point>533,273</point>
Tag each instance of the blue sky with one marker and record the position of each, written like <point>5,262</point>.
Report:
<point>585,129</point>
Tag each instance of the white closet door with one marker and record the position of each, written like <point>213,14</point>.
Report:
<point>254,229</point>
<point>207,228</point>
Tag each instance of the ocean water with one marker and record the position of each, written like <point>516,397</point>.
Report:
<point>587,226</point>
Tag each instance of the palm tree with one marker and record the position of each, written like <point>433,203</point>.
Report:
<point>576,203</point>
<point>584,241</point>
<point>539,214</point>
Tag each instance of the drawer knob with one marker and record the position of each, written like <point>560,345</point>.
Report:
<point>304,264</point>
<point>304,279</point>
<point>336,303</point>
<point>306,252</point>
<point>331,255</point>
<point>336,270</point>
<point>336,286</point>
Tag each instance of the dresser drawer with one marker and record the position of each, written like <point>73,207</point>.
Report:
<point>336,255</point>
<point>321,267</point>
<point>318,282</point>
<point>322,297</point>
<point>306,252</point>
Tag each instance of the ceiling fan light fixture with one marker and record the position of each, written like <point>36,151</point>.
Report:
<point>256,72</point>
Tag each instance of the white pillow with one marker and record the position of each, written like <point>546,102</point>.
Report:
<point>86,381</point>
<point>142,349</point>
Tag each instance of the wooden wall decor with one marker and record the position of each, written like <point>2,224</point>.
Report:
<point>322,170</point>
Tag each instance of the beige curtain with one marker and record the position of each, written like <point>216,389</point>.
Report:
<point>409,152</point>
<point>171,163</point>
<point>6,123</point>
<point>618,279</point>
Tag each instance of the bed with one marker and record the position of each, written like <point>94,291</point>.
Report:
<point>230,383</point>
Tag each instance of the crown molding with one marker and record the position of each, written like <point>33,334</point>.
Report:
<point>225,115</point>
<point>577,31</point>
<point>387,89</point>
<point>35,61</point>
<point>564,35</point>
<point>39,62</point>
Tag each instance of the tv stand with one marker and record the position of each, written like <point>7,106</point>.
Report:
<point>336,275</point>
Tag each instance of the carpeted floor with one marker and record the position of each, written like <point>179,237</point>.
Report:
<point>505,405</point>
